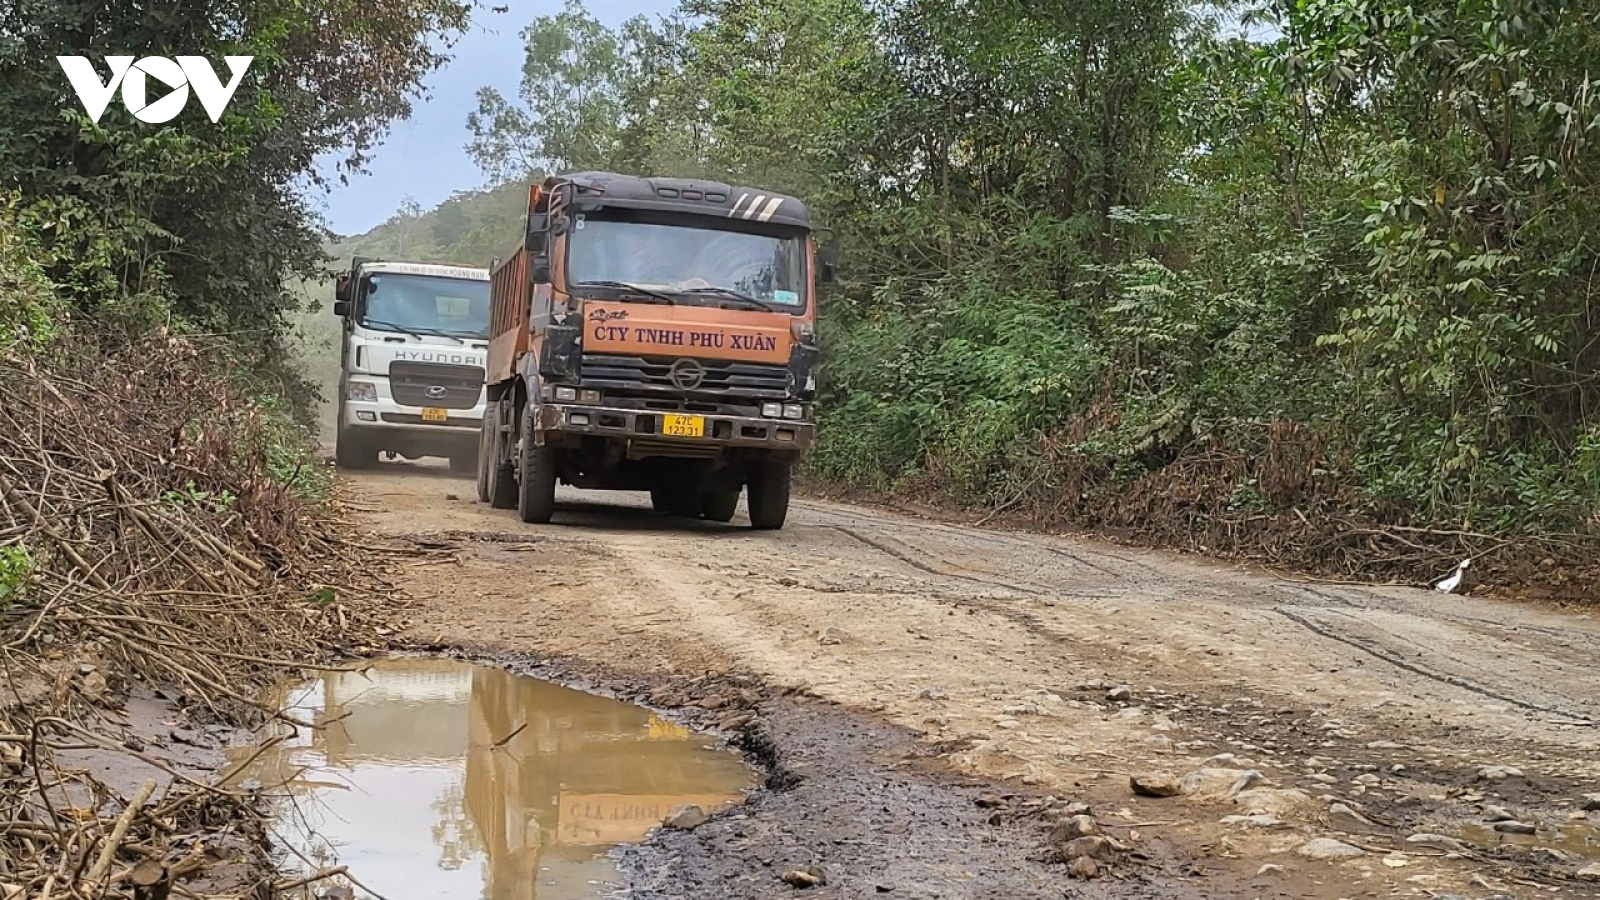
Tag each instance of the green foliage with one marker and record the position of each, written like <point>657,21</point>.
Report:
<point>16,565</point>
<point>192,224</point>
<point>1090,246</point>
<point>30,314</point>
<point>193,495</point>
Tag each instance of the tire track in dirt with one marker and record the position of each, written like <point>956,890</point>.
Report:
<point>1025,543</point>
<point>907,557</point>
<point>1392,659</point>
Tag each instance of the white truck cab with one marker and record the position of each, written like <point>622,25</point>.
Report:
<point>412,362</point>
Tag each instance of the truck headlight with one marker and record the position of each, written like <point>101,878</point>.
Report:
<point>567,394</point>
<point>772,410</point>
<point>587,396</point>
<point>364,391</point>
<point>793,411</point>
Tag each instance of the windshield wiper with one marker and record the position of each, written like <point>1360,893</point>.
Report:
<point>418,333</point>
<point>732,294</point>
<point>392,327</point>
<point>643,291</point>
<point>460,333</point>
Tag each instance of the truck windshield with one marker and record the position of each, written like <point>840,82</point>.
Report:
<point>426,304</point>
<point>685,258</point>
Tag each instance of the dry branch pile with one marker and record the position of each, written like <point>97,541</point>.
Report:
<point>145,538</point>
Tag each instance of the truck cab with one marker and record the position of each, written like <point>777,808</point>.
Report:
<point>653,335</point>
<point>412,361</point>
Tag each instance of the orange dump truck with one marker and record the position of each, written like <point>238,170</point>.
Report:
<point>653,334</point>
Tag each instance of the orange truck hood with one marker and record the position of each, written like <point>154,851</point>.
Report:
<point>648,329</point>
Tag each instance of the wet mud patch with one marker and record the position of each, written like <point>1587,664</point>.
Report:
<point>433,777</point>
<point>852,806</point>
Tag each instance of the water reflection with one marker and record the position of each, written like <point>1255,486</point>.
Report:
<point>410,790</point>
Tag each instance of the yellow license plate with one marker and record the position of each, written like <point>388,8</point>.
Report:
<point>434,415</point>
<point>683,426</point>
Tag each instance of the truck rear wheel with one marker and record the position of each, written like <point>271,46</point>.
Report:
<point>719,506</point>
<point>502,477</point>
<point>768,496</point>
<point>484,461</point>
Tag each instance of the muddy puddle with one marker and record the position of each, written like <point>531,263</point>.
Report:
<point>437,778</point>
<point>1578,840</point>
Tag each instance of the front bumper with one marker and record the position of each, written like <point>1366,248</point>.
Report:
<point>386,415</point>
<point>644,428</point>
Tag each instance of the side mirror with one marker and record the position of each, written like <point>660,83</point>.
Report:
<point>540,271</point>
<point>341,308</point>
<point>538,236</point>
<point>826,265</point>
<point>341,288</point>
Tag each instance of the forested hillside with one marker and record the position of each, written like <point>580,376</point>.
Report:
<point>1323,296</point>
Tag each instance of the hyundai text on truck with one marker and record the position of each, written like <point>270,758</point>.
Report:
<point>412,361</point>
<point>653,334</point>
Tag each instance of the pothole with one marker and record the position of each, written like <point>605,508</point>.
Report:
<point>439,778</point>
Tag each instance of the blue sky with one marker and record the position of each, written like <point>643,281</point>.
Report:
<point>426,156</point>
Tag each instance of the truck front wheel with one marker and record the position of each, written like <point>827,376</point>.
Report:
<point>768,495</point>
<point>351,451</point>
<point>674,501</point>
<point>720,505</point>
<point>536,484</point>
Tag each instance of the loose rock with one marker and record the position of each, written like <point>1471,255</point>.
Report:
<point>800,878</point>
<point>1120,693</point>
<point>1497,814</point>
<point>1590,872</point>
<point>687,818</point>
<point>1436,840</point>
<point>1258,820</point>
<point>1499,773</point>
<point>1328,849</point>
<point>1075,808</point>
<point>1083,867</point>
<point>1156,784</point>
<point>990,801</point>
<point>1094,846</point>
<point>1074,828</point>
<point>1591,802</point>
<point>1515,828</point>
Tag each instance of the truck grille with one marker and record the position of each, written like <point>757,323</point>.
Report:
<point>438,386</point>
<point>649,375</point>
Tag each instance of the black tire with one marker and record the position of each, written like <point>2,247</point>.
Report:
<point>502,477</point>
<point>484,446</point>
<point>536,486</point>
<point>768,496</point>
<point>351,451</point>
<point>675,501</point>
<point>661,500</point>
<point>719,506</point>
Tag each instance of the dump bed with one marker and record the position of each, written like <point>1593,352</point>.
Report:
<point>510,299</point>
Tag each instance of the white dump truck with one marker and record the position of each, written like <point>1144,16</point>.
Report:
<point>412,362</point>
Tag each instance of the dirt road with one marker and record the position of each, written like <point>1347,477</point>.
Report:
<point>957,662</point>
